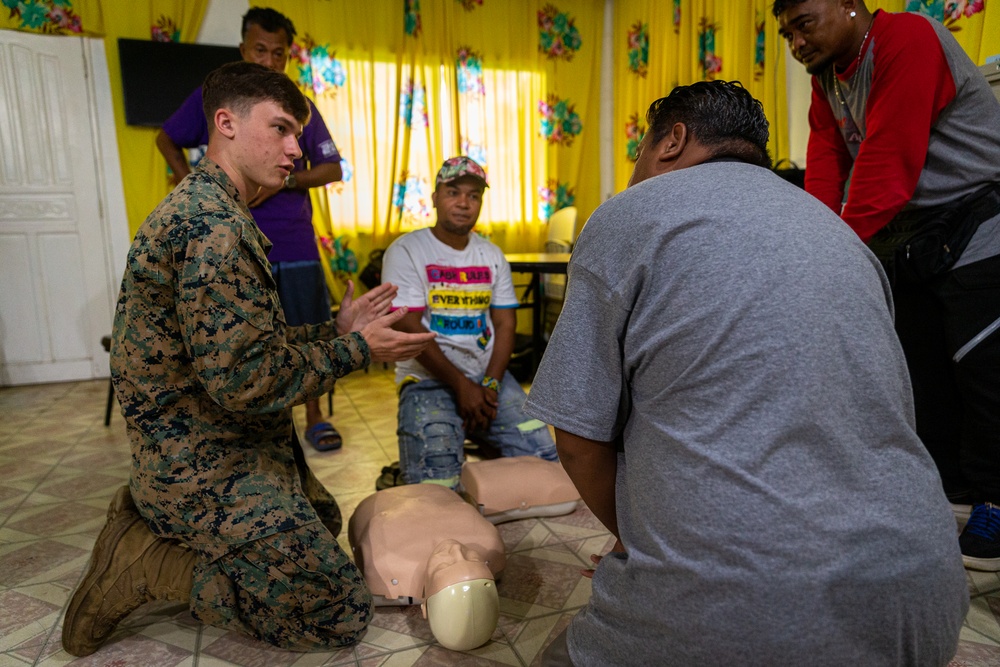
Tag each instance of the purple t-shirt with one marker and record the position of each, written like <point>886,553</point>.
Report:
<point>285,218</point>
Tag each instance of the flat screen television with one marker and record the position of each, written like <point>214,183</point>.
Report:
<point>158,76</point>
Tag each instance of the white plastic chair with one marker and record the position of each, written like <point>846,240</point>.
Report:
<point>561,236</point>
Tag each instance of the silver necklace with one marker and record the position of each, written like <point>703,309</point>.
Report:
<point>836,79</point>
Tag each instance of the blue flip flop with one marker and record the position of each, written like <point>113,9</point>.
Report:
<point>324,437</point>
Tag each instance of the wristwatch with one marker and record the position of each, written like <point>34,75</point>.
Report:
<point>290,181</point>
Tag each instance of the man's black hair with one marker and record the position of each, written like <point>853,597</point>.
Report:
<point>781,5</point>
<point>241,85</point>
<point>269,20</point>
<point>722,115</point>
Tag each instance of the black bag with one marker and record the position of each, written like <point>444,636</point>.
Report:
<point>791,173</point>
<point>371,275</point>
<point>922,244</point>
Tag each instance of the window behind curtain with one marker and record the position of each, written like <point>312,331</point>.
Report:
<point>395,123</point>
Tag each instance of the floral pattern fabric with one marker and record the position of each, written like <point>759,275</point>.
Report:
<point>947,12</point>
<point>469,68</point>
<point>560,122</point>
<point>413,105</point>
<point>634,132</point>
<point>711,64</point>
<point>557,34</point>
<point>411,196</point>
<point>318,69</point>
<point>638,48</point>
<point>411,17</point>
<point>46,16</point>
<point>165,30</point>
<point>554,196</point>
<point>476,151</point>
<point>342,259</point>
<point>759,45</point>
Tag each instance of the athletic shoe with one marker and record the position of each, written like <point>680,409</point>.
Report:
<point>980,541</point>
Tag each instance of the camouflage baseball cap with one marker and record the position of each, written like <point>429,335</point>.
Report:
<point>455,168</point>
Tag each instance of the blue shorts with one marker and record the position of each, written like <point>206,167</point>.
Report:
<point>302,292</point>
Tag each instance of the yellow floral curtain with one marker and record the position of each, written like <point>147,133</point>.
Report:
<point>660,44</point>
<point>404,85</point>
<point>54,17</point>
<point>144,172</point>
<point>974,23</point>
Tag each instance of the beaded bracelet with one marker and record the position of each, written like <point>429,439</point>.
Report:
<point>490,383</point>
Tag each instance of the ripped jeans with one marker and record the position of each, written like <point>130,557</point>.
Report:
<point>431,435</point>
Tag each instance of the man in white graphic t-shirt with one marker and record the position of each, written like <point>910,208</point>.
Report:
<point>458,285</point>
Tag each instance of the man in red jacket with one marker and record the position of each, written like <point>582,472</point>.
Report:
<point>903,113</point>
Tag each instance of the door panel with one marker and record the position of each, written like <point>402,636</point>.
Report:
<point>55,303</point>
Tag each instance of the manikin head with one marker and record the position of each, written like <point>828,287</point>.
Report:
<point>696,123</point>
<point>255,116</point>
<point>460,597</point>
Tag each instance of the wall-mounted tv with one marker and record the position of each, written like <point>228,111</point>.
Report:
<point>158,76</point>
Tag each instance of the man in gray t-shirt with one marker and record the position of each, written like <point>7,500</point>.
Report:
<point>731,400</point>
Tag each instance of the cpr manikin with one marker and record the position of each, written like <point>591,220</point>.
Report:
<point>423,544</point>
<point>519,487</point>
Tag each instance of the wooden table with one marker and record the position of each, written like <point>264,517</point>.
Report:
<point>536,263</point>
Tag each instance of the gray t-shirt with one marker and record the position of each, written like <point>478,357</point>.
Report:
<point>774,500</point>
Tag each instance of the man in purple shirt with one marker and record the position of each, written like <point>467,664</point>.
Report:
<point>283,214</point>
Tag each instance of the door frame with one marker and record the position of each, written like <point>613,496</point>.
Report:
<point>111,192</point>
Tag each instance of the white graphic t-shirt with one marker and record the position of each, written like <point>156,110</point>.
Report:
<point>455,289</point>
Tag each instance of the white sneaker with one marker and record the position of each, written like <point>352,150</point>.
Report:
<point>961,513</point>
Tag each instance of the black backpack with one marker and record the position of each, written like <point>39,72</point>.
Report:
<point>371,275</point>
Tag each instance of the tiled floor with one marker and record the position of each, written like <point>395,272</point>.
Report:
<point>59,466</point>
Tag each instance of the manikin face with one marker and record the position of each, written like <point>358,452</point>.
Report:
<point>265,145</point>
<point>449,553</point>
<point>458,204</point>
<point>269,49</point>
<point>819,33</point>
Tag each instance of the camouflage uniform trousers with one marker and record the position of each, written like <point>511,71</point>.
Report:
<point>321,500</point>
<point>296,590</point>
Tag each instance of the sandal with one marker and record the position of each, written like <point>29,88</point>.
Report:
<point>324,437</point>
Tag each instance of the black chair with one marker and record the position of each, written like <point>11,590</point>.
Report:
<point>106,343</point>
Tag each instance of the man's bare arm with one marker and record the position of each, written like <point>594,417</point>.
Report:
<point>174,155</point>
<point>319,175</point>
<point>592,465</point>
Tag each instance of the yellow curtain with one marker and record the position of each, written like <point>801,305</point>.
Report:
<point>974,23</point>
<point>404,85</point>
<point>573,80</point>
<point>54,17</point>
<point>662,44</point>
<point>144,172</point>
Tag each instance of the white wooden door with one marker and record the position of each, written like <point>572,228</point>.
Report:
<point>56,287</point>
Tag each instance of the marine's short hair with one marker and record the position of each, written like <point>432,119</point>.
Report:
<point>269,20</point>
<point>241,85</point>
<point>781,5</point>
<point>722,115</point>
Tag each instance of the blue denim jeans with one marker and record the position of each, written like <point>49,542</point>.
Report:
<point>431,434</point>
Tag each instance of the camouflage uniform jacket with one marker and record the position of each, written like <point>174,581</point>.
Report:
<point>207,371</point>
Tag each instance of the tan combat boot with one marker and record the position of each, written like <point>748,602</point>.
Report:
<point>129,567</point>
